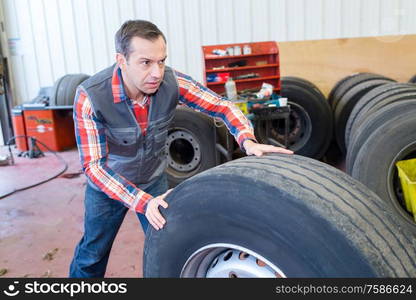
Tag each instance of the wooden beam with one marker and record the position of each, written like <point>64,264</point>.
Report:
<point>324,62</point>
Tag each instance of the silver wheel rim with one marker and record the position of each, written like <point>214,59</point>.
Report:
<point>229,261</point>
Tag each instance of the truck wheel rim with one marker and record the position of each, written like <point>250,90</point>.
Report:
<point>300,128</point>
<point>184,151</point>
<point>229,261</point>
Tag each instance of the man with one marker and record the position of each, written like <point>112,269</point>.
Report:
<point>121,119</point>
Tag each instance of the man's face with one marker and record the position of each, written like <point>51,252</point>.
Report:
<point>145,66</point>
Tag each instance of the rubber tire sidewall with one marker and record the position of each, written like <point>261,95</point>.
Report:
<point>368,101</point>
<point>346,104</point>
<point>349,83</point>
<point>64,89</point>
<point>228,214</point>
<point>392,111</point>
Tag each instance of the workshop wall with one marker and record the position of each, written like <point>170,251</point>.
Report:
<point>50,38</point>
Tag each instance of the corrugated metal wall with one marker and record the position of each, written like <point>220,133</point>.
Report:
<point>50,38</point>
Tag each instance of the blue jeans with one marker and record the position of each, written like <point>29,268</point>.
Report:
<point>102,220</point>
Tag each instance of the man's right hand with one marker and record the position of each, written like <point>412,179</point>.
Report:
<point>153,214</point>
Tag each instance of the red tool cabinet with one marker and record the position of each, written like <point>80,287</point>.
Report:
<point>53,126</point>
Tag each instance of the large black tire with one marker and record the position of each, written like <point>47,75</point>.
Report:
<point>310,126</point>
<point>347,83</point>
<point>374,164</point>
<point>387,101</point>
<point>190,145</point>
<point>393,111</point>
<point>346,104</point>
<point>359,132</point>
<point>337,86</point>
<point>278,216</point>
<point>305,84</point>
<point>369,100</point>
<point>64,89</point>
<point>413,79</point>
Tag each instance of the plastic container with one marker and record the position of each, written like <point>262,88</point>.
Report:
<point>282,101</point>
<point>237,50</point>
<point>231,89</point>
<point>246,49</point>
<point>242,105</point>
<point>407,175</point>
<point>265,91</point>
<point>220,52</point>
<point>212,77</point>
<point>222,77</point>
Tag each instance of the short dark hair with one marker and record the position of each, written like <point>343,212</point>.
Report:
<point>132,28</point>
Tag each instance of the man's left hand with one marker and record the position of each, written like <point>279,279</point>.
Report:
<point>253,148</point>
<point>152,212</point>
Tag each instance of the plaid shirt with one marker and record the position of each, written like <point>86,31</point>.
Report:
<point>141,111</point>
<point>92,144</point>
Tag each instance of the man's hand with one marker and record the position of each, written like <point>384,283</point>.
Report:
<point>253,148</point>
<point>153,214</point>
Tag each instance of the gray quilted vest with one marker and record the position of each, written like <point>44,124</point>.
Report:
<point>140,159</point>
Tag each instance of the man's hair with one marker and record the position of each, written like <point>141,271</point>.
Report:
<point>132,28</point>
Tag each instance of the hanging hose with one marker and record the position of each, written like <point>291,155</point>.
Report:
<point>34,141</point>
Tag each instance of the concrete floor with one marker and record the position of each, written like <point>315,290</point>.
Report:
<point>41,226</point>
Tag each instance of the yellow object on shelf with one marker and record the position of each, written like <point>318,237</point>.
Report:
<point>242,104</point>
<point>407,175</point>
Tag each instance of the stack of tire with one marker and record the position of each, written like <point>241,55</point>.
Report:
<point>345,95</point>
<point>194,140</point>
<point>376,128</point>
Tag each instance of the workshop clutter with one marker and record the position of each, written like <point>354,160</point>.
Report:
<point>248,64</point>
<point>265,91</point>
<point>255,75</point>
<point>244,72</point>
<point>48,116</point>
<point>233,50</point>
<point>288,112</point>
